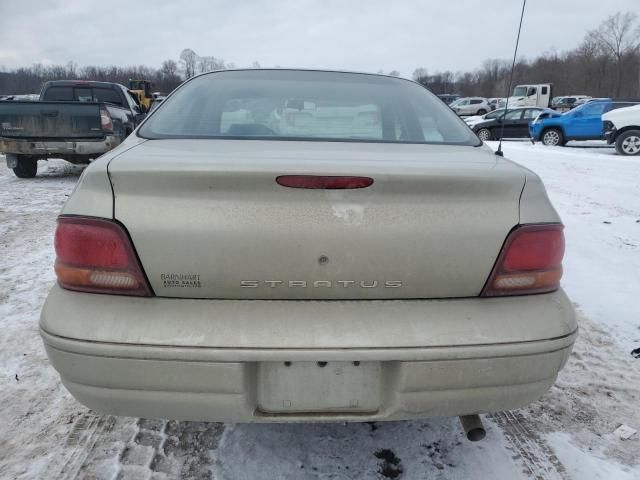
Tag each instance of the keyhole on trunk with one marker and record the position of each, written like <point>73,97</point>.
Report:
<point>323,259</point>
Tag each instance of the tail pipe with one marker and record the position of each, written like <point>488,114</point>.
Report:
<point>473,428</point>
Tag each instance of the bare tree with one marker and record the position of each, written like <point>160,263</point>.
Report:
<point>419,73</point>
<point>188,59</point>
<point>617,37</point>
<point>169,68</point>
<point>210,64</point>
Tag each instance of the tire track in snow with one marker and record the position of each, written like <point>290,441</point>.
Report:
<point>84,435</point>
<point>533,452</point>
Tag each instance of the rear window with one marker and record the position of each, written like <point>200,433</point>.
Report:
<point>82,94</point>
<point>107,95</point>
<point>306,105</point>
<point>59,94</point>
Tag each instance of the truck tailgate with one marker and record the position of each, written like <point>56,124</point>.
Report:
<point>50,120</point>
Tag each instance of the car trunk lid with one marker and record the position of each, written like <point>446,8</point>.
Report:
<point>209,219</point>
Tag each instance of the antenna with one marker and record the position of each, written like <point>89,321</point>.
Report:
<point>513,67</point>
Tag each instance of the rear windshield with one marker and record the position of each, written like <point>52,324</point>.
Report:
<point>306,105</point>
<point>82,94</point>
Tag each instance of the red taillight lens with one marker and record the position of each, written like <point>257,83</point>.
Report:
<point>105,120</point>
<point>323,182</point>
<point>96,255</point>
<point>530,262</point>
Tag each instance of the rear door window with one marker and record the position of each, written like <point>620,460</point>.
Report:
<point>513,115</point>
<point>59,94</point>
<point>530,113</point>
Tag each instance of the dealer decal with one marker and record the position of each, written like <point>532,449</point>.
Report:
<point>180,280</point>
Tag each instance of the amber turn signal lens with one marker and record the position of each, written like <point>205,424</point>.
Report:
<point>530,262</point>
<point>96,255</point>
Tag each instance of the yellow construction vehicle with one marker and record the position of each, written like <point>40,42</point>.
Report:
<point>142,90</point>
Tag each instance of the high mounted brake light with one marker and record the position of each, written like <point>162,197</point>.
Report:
<point>530,262</point>
<point>324,182</point>
<point>96,255</point>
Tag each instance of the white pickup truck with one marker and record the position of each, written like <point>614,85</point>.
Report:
<point>622,128</point>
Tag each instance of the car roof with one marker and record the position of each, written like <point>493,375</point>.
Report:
<point>318,70</point>
<point>81,83</point>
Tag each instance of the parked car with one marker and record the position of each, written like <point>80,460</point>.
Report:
<point>292,245</point>
<point>448,98</point>
<point>473,119</point>
<point>75,120</point>
<point>582,123</point>
<point>493,102</point>
<point>538,95</point>
<point>564,104</point>
<point>471,106</point>
<point>622,128</point>
<point>512,124</point>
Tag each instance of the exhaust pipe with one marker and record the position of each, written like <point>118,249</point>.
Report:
<point>473,428</point>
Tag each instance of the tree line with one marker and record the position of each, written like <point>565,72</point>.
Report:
<point>605,63</point>
<point>165,79</point>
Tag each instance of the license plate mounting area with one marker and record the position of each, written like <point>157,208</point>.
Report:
<point>319,387</point>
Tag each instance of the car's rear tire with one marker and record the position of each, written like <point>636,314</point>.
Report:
<point>628,143</point>
<point>484,134</point>
<point>482,111</point>
<point>553,137</point>
<point>26,168</point>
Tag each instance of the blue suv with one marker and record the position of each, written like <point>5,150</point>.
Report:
<point>582,123</point>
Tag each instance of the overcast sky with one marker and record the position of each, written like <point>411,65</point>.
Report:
<point>341,34</point>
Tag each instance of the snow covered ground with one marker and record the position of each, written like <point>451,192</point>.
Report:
<point>44,433</point>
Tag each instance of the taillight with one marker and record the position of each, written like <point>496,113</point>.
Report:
<point>323,182</point>
<point>530,262</point>
<point>96,255</point>
<point>105,120</point>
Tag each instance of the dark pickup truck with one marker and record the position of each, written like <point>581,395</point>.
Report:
<point>74,120</point>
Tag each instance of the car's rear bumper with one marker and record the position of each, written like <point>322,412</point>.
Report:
<point>205,360</point>
<point>49,148</point>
